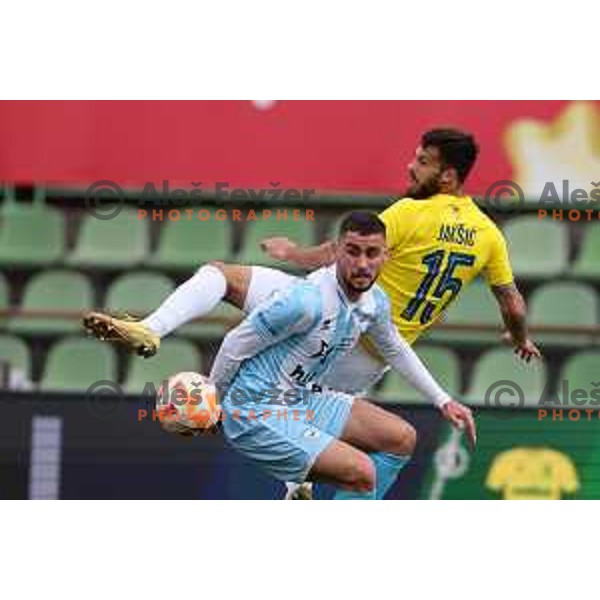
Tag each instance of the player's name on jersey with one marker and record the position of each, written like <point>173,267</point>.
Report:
<point>457,234</point>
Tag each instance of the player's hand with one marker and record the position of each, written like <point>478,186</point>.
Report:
<point>278,248</point>
<point>462,418</point>
<point>526,351</point>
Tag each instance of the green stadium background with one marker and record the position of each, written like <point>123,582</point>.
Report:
<point>57,259</point>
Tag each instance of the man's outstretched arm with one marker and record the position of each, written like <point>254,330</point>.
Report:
<point>401,357</point>
<point>514,314</point>
<point>499,277</point>
<point>305,257</point>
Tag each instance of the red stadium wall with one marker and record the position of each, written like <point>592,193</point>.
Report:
<point>358,146</point>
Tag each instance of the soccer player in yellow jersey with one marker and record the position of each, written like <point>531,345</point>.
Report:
<point>438,245</point>
<point>438,242</point>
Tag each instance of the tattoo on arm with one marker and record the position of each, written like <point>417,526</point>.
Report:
<point>513,309</point>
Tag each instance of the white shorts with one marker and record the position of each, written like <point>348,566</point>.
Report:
<point>353,374</point>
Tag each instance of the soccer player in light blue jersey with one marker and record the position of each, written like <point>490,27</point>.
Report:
<point>270,372</point>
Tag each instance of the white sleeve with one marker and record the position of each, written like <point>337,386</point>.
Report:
<point>239,344</point>
<point>400,356</point>
<point>285,314</point>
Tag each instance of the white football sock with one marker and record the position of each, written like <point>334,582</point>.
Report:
<point>198,296</point>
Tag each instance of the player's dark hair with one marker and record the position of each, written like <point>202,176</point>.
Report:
<point>362,222</point>
<point>457,149</point>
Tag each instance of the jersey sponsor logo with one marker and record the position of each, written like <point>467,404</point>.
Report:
<point>302,377</point>
<point>457,234</point>
<point>323,353</point>
<point>312,432</point>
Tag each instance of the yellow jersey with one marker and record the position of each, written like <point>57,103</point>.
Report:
<point>437,246</point>
<point>532,474</point>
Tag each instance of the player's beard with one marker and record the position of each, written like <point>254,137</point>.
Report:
<point>421,191</point>
<point>363,288</point>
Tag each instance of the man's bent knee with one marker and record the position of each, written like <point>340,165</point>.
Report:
<point>361,476</point>
<point>395,436</point>
<point>404,442</point>
<point>237,278</point>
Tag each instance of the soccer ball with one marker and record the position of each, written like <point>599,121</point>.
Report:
<point>188,404</point>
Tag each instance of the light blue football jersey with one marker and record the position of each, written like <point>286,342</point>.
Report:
<point>289,343</point>
<point>306,328</point>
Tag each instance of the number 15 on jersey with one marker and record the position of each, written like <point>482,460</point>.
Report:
<point>444,282</point>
